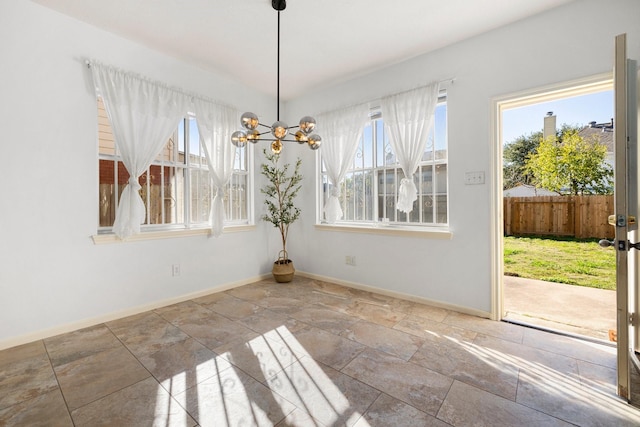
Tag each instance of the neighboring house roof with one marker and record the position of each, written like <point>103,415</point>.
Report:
<point>603,133</point>
<point>523,190</point>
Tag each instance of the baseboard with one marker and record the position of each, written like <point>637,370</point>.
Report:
<point>399,295</point>
<point>85,323</point>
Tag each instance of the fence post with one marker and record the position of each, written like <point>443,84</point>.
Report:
<point>506,213</point>
<point>577,216</point>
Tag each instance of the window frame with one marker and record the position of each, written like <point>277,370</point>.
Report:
<point>378,169</point>
<point>188,226</point>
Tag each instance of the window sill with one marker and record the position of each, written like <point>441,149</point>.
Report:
<point>108,238</point>
<point>390,230</point>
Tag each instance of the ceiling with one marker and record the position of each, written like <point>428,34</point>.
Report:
<point>322,41</point>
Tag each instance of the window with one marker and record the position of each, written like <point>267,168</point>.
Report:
<point>370,189</point>
<point>176,188</point>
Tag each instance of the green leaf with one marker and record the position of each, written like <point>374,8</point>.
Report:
<point>280,193</point>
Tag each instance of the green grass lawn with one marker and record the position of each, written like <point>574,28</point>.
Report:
<point>576,262</point>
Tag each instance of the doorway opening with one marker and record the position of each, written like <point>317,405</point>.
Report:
<point>546,274</point>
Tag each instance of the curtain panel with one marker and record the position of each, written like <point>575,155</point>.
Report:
<point>408,117</point>
<point>215,124</point>
<point>341,131</point>
<point>143,115</point>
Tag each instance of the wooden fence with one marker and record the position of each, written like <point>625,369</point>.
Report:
<point>575,216</point>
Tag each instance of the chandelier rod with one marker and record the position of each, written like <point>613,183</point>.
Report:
<point>278,74</point>
<point>279,130</point>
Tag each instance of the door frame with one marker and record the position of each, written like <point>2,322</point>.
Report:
<point>626,203</point>
<point>594,83</point>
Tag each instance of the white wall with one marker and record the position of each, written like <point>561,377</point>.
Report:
<point>568,43</point>
<point>51,273</point>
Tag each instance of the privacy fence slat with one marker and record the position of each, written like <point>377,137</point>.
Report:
<point>573,216</point>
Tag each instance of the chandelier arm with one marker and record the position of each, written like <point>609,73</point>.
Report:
<point>276,139</point>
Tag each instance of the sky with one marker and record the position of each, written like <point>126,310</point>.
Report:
<point>578,110</point>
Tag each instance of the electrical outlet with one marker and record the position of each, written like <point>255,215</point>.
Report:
<point>175,270</point>
<point>350,260</point>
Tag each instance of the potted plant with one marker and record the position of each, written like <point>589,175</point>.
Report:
<point>280,193</point>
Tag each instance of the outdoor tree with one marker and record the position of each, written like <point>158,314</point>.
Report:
<point>517,152</point>
<point>515,156</point>
<point>571,164</point>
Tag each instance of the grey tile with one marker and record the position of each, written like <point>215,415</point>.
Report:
<point>425,311</point>
<point>337,303</point>
<point>252,292</point>
<point>470,363</point>
<point>388,411</point>
<point>299,418</point>
<point>572,347</point>
<point>260,357</point>
<point>45,410</point>
<point>598,377</point>
<point>184,364</point>
<point>297,290</point>
<point>265,320</point>
<point>374,312</point>
<point>183,312</point>
<point>188,346</point>
<point>387,340</point>
<point>432,330</point>
<point>146,333</point>
<point>506,357</point>
<point>567,399</point>
<point>466,405</point>
<point>25,373</point>
<point>528,358</point>
<point>324,346</point>
<point>420,387</point>
<point>209,328</point>
<point>211,298</point>
<point>284,304</point>
<point>323,392</point>
<point>502,330</point>
<point>141,404</point>
<point>12,355</point>
<point>339,290</point>
<point>228,306</point>
<point>93,377</point>
<point>234,399</point>
<point>324,318</point>
<point>68,347</point>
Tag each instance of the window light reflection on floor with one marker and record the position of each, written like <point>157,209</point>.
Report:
<point>541,379</point>
<point>237,395</point>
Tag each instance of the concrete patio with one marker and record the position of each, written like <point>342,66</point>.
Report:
<point>573,309</point>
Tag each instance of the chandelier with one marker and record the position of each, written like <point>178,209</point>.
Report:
<point>279,130</point>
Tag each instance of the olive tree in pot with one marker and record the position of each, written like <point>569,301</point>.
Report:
<point>280,193</point>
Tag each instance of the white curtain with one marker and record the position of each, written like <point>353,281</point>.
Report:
<point>341,132</point>
<point>215,125</point>
<point>143,114</point>
<point>408,117</point>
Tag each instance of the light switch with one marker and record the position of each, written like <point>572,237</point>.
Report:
<point>474,178</point>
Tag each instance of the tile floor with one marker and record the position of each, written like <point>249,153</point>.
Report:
<point>309,353</point>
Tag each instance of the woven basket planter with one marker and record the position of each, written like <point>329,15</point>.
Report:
<point>283,270</point>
